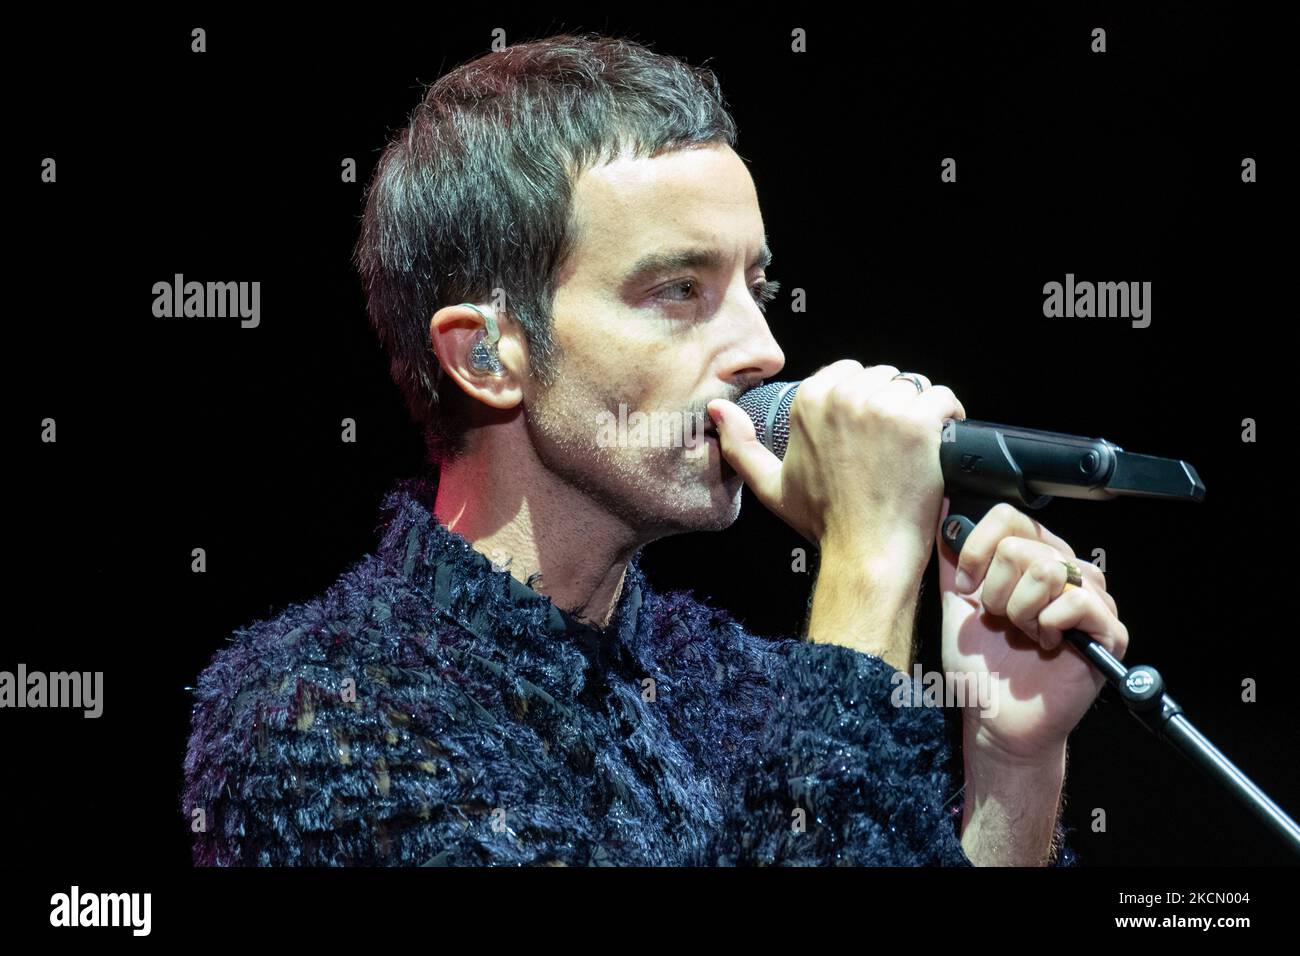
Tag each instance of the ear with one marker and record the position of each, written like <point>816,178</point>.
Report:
<point>454,330</point>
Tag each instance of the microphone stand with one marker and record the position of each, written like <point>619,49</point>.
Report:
<point>1140,687</point>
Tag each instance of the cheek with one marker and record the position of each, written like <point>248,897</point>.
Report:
<point>617,369</point>
<point>631,354</point>
<point>618,355</point>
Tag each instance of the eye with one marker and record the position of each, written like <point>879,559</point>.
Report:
<point>686,285</point>
<point>763,291</point>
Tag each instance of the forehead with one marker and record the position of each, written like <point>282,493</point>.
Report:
<point>631,206</point>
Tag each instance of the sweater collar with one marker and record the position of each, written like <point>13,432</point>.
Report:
<point>464,583</point>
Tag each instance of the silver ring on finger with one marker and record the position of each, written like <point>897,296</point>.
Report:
<point>913,378</point>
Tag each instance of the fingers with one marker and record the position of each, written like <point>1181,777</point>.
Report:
<point>940,402</point>
<point>827,376</point>
<point>814,389</point>
<point>1017,559</point>
<point>1084,609</point>
<point>879,384</point>
<point>1002,521</point>
<point>934,404</point>
<point>757,467</point>
<point>1025,582</point>
<point>1041,584</point>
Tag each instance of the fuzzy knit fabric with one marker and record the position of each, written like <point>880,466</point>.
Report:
<point>429,709</point>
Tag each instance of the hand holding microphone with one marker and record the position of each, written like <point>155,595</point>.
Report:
<point>860,476</point>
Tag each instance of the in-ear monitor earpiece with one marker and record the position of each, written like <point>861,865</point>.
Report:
<point>483,357</point>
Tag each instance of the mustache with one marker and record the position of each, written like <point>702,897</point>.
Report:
<point>699,411</point>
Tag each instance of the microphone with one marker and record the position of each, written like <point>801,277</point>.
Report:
<point>993,461</point>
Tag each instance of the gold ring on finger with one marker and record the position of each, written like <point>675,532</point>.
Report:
<point>1073,576</point>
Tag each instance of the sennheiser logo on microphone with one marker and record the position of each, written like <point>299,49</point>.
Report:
<point>1098,300</point>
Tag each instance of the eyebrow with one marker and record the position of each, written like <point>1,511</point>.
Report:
<point>696,258</point>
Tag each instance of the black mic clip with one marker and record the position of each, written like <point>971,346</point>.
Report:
<point>985,463</point>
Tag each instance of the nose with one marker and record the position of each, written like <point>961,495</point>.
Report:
<point>755,354</point>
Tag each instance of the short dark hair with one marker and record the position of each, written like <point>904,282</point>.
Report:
<point>475,193</point>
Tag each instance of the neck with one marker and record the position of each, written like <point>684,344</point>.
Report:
<point>546,533</point>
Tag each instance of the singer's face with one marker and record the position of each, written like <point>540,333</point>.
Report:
<point>657,311</point>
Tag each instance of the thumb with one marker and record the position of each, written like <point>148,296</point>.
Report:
<point>758,467</point>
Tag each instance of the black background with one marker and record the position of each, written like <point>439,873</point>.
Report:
<point>175,434</point>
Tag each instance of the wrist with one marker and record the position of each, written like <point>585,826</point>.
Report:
<point>1011,810</point>
<point>865,605</point>
<point>991,769</point>
<point>1012,783</point>
<point>978,747</point>
<point>898,560</point>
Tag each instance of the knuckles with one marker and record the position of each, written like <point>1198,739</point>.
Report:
<point>1046,571</point>
<point>1015,551</point>
<point>1002,514</point>
<point>839,393</point>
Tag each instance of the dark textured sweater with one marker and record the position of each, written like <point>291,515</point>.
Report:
<point>429,709</point>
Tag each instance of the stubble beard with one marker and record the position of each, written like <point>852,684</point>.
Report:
<point>656,490</point>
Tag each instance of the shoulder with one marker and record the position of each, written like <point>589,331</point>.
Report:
<point>300,724</point>
<point>327,637</point>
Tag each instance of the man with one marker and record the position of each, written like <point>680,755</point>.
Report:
<point>563,234</point>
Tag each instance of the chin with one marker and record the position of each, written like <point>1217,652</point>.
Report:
<point>714,505</point>
<point>678,494</point>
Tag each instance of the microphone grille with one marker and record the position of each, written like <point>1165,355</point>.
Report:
<point>768,407</point>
